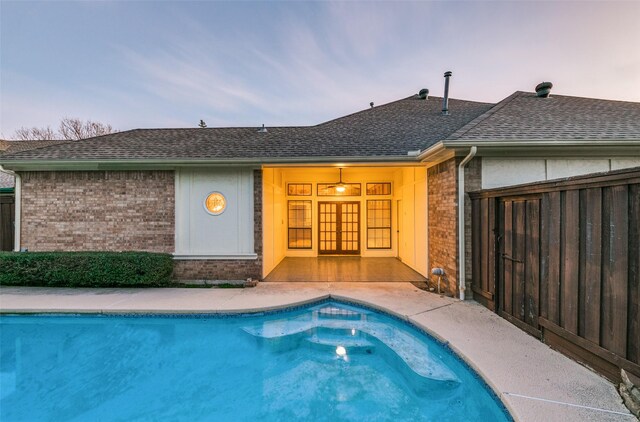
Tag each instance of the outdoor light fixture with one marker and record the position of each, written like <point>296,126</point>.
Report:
<point>341,186</point>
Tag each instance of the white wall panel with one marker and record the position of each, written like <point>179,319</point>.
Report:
<point>557,169</point>
<point>199,233</point>
<point>624,163</point>
<point>498,172</point>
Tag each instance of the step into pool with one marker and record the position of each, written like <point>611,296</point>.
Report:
<point>326,361</point>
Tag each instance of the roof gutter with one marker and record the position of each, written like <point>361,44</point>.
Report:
<point>97,163</point>
<point>558,148</point>
<point>528,143</point>
<point>461,222</point>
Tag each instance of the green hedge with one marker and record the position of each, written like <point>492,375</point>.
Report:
<point>85,269</point>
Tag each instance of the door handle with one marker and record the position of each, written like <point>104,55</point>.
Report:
<point>505,256</point>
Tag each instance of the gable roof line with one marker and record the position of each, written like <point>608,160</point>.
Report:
<point>475,122</point>
<point>362,111</point>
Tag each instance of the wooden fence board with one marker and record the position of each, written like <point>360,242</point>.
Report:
<point>553,291</point>
<point>477,247</point>
<point>570,257</point>
<point>507,263</point>
<point>491,248</point>
<point>593,263</point>
<point>545,223</point>
<point>484,210</point>
<point>532,263</point>
<point>499,260</point>
<point>633,335</point>
<point>615,271</point>
<point>519,253</point>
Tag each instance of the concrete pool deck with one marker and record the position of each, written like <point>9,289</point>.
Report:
<point>535,382</point>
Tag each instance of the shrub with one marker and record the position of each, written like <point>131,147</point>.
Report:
<point>85,269</point>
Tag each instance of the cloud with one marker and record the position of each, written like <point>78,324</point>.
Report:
<point>239,64</point>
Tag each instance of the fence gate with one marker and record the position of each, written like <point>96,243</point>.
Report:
<point>7,217</point>
<point>518,261</point>
<point>561,260</point>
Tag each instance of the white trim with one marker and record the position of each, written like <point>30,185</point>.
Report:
<point>170,164</point>
<point>18,212</point>
<point>461,244</point>
<point>251,256</point>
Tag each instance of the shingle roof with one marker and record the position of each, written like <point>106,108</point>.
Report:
<point>389,130</point>
<point>8,147</point>
<point>6,180</point>
<point>524,116</point>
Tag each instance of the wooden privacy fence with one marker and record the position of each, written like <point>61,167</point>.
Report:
<point>561,260</point>
<point>7,214</point>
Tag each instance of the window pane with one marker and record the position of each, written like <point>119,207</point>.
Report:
<point>329,189</point>
<point>379,224</point>
<point>378,188</point>
<point>299,224</point>
<point>299,189</point>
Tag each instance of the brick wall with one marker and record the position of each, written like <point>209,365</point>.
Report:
<point>230,269</point>
<point>443,221</point>
<point>98,211</point>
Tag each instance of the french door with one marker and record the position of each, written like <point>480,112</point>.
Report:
<point>339,228</point>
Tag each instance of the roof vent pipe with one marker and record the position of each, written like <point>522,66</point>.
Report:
<point>544,89</point>
<point>263,129</point>
<point>445,100</point>
<point>423,94</point>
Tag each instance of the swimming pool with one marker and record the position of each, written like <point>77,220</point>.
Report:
<point>326,361</point>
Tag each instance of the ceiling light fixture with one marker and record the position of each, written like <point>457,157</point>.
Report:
<point>341,187</point>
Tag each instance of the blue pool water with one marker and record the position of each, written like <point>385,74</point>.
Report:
<point>330,361</point>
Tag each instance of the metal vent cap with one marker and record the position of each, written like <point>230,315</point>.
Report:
<point>543,89</point>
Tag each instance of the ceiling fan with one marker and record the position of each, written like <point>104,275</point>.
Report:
<point>340,187</point>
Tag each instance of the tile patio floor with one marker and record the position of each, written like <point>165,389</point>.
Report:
<point>343,269</point>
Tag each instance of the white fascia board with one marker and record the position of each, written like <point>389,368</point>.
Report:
<point>534,148</point>
<point>215,257</point>
<point>151,164</point>
<point>540,144</point>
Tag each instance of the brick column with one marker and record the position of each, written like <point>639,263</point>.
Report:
<point>443,222</point>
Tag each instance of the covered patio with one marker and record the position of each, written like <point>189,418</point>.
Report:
<point>343,269</point>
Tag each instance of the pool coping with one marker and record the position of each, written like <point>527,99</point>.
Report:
<point>518,409</point>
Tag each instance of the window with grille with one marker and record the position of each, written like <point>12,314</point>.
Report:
<point>299,224</point>
<point>378,188</point>
<point>299,189</point>
<point>379,224</point>
<point>329,189</point>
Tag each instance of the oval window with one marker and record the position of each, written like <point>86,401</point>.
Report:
<point>215,203</point>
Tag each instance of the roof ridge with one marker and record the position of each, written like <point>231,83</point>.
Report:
<point>609,100</point>
<point>215,128</point>
<point>363,111</point>
<point>413,96</point>
<point>484,116</point>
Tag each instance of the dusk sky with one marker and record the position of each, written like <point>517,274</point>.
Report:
<point>170,64</point>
